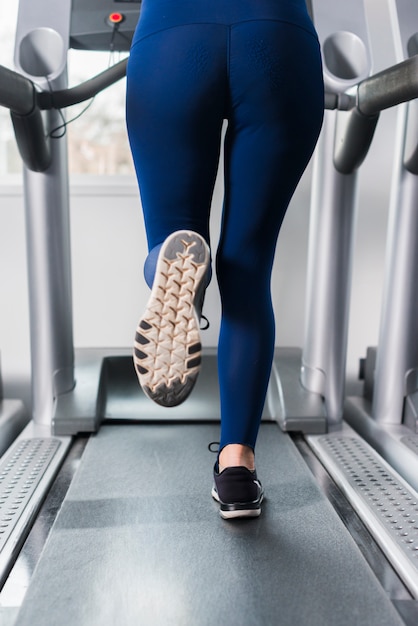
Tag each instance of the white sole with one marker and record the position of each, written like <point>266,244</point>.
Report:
<point>167,349</point>
<point>238,512</point>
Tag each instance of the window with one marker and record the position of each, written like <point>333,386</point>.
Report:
<point>97,140</point>
<point>10,162</point>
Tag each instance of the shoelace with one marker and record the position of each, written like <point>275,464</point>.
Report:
<point>214,443</point>
<point>207,324</point>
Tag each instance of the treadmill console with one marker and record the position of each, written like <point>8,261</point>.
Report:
<point>103,24</point>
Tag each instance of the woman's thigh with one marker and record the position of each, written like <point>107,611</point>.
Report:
<point>275,115</point>
<point>175,110</point>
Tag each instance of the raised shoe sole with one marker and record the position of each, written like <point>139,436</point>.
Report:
<point>167,349</point>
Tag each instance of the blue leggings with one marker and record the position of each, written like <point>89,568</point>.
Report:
<point>255,63</point>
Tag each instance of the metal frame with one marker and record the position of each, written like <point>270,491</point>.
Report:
<point>347,135</point>
<point>41,48</point>
<point>387,415</point>
<point>396,376</point>
<point>343,34</point>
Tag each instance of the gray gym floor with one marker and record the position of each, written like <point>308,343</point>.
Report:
<point>139,541</point>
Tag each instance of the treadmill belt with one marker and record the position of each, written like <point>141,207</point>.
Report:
<point>139,541</point>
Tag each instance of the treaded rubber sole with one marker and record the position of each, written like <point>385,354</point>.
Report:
<point>233,511</point>
<point>167,349</point>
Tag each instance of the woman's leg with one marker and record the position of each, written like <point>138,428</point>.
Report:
<point>275,115</point>
<point>175,105</point>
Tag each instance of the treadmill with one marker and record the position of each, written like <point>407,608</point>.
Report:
<point>105,509</point>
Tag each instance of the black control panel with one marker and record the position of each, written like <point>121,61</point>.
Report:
<point>103,24</point>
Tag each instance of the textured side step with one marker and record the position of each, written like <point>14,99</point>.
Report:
<point>387,505</point>
<point>25,474</point>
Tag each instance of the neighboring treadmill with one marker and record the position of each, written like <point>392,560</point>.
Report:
<point>387,414</point>
<point>384,491</point>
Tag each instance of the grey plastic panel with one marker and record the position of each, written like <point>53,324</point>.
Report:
<point>107,389</point>
<point>294,407</point>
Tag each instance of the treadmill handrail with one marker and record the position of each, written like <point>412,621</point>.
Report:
<point>20,96</point>
<point>90,88</point>
<point>17,92</point>
<point>392,86</point>
<point>386,89</point>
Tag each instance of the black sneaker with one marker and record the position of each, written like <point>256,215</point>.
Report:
<point>167,351</point>
<point>238,492</point>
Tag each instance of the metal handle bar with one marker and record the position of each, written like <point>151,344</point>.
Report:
<point>17,93</point>
<point>388,88</point>
<point>85,91</point>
